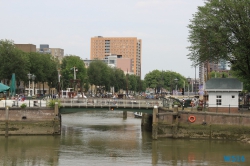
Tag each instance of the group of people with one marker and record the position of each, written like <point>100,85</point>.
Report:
<point>20,97</point>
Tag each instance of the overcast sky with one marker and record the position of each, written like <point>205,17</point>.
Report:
<point>69,24</point>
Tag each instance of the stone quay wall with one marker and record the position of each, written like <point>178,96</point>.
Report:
<point>29,121</point>
<point>207,125</point>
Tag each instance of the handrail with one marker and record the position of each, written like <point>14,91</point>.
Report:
<point>89,102</point>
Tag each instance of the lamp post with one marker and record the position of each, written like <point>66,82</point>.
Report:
<point>175,80</point>
<point>33,79</point>
<point>75,70</point>
<point>59,82</point>
<point>188,80</point>
<point>29,77</point>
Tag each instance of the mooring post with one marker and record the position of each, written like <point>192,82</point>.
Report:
<point>175,121</point>
<point>143,119</point>
<point>6,121</point>
<point>125,114</point>
<point>155,123</point>
<point>56,109</point>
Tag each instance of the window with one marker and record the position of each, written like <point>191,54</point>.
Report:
<point>218,101</point>
<point>233,96</point>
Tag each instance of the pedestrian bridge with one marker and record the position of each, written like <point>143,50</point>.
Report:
<point>80,104</point>
<point>68,105</point>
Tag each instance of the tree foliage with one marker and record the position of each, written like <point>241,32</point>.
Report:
<point>98,73</point>
<point>67,70</point>
<point>168,80</point>
<point>12,60</point>
<point>220,30</point>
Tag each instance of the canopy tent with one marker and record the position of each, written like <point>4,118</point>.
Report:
<point>13,85</point>
<point>3,87</point>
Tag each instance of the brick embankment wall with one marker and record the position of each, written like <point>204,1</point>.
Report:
<point>224,109</point>
<point>207,125</point>
<point>29,121</point>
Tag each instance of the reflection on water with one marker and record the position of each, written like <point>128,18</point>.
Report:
<point>29,150</point>
<point>104,138</point>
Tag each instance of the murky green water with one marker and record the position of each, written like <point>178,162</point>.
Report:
<point>104,138</point>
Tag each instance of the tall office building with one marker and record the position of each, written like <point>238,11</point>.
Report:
<point>123,47</point>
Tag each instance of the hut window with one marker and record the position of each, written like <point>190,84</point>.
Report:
<point>218,101</point>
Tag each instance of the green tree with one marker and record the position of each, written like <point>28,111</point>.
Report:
<point>164,79</point>
<point>12,60</point>
<point>98,74</point>
<point>118,80</point>
<point>67,71</point>
<point>220,30</point>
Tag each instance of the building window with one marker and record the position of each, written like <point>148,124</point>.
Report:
<point>218,101</point>
<point>233,96</point>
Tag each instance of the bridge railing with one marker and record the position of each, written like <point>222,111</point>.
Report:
<point>106,102</point>
<point>90,102</point>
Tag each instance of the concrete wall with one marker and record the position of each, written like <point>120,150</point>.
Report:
<point>29,121</point>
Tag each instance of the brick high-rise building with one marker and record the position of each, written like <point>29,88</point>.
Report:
<point>123,47</point>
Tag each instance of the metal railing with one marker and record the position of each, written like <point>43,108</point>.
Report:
<point>29,103</point>
<point>106,102</point>
<point>90,102</point>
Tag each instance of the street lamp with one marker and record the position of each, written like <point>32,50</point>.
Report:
<point>188,80</point>
<point>75,69</point>
<point>33,79</point>
<point>59,75</point>
<point>175,80</point>
<point>29,77</point>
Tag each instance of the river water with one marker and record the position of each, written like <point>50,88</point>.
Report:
<point>104,138</point>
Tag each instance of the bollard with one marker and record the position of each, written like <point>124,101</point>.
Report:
<point>175,108</point>
<point>125,114</point>
<point>155,123</point>
<point>6,121</point>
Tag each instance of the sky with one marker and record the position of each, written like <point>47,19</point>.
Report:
<point>70,24</point>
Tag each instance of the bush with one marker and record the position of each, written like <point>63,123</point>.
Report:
<point>23,106</point>
<point>52,103</point>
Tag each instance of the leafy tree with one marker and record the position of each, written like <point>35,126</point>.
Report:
<point>118,80</point>
<point>132,83</point>
<point>67,70</point>
<point>12,60</point>
<point>98,73</point>
<point>165,79</point>
<point>220,30</point>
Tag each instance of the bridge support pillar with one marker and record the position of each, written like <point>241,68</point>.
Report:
<point>125,114</point>
<point>155,123</point>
